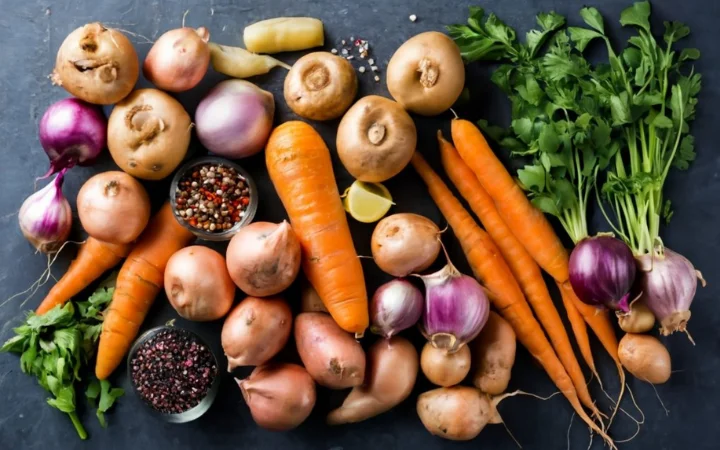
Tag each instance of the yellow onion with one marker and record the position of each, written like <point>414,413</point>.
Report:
<point>179,59</point>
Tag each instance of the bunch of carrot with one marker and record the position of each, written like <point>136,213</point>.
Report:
<point>508,257</point>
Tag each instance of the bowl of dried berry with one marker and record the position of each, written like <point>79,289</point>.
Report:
<point>213,198</point>
<point>174,372</point>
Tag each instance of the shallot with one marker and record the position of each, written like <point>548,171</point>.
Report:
<point>395,306</point>
<point>45,217</point>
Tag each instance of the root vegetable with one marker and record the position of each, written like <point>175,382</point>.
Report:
<point>376,139</point>
<point>148,134</point>
<point>198,285</point>
<point>645,357</point>
<point>458,413</point>
<point>396,305</point>
<point>255,331</point>
<point>179,59</point>
<point>391,373</point>
<point>320,86</point>
<point>45,218</point>
<point>96,64</point>
<point>405,243</point>
<point>263,258</point>
<point>331,356</point>
<point>310,301</point>
<point>280,396</point>
<point>240,63</point>
<point>493,355</point>
<point>113,207</point>
<point>426,75</point>
<point>284,34</point>
<point>444,368</point>
<point>639,320</point>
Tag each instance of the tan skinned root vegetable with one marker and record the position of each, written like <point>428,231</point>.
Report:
<point>645,357</point>
<point>148,134</point>
<point>320,86</point>
<point>198,285</point>
<point>255,331</point>
<point>639,320</point>
<point>113,207</point>
<point>391,373</point>
<point>376,139</point>
<point>405,243</point>
<point>310,301</point>
<point>280,396</point>
<point>331,356</point>
<point>240,63</point>
<point>493,355</point>
<point>179,59</point>
<point>284,34</point>
<point>263,258</point>
<point>426,75</point>
<point>443,368</point>
<point>96,64</point>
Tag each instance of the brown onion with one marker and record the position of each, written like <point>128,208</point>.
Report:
<point>179,59</point>
<point>96,64</point>
<point>405,243</point>
<point>255,331</point>
<point>444,368</point>
<point>280,396</point>
<point>113,207</point>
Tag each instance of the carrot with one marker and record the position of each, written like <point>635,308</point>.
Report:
<point>138,283</point>
<point>530,227</point>
<point>489,267</point>
<point>300,168</point>
<point>579,328</point>
<point>523,267</point>
<point>93,259</point>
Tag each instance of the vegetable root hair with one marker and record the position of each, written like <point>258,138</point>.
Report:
<point>638,423</point>
<point>496,418</point>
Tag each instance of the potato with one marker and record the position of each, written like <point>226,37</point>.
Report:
<point>493,355</point>
<point>331,356</point>
<point>458,413</point>
<point>376,139</point>
<point>405,243</point>
<point>320,86</point>
<point>426,75</point>
<point>310,301</point>
<point>645,357</point>
<point>284,34</point>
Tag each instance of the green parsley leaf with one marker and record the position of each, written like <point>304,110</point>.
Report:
<point>523,127</point>
<point>582,37</point>
<point>549,23</point>
<point>546,204</point>
<point>620,109</point>
<point>638,15</point>
<point>689,54</point>
<point>497,29</point>
<point>58,316</point>
<point>532,177</point>
<point>662,121</point>
<point>65,400</point>
<point>15,344</point>
<point>685,154</point>
<point>674,31</point>
<point>93,390</point>
<point>592,17</point>
<point>548,140</point>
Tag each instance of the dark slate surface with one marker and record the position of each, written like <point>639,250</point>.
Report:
<point>31,32</point>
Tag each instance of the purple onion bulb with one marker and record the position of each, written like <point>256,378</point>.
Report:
<point>668,281</point>
<point>602,272</point>
<point>46,218</point>
<point>396,305</point>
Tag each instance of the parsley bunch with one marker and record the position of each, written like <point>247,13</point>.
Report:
<point>57,348</point>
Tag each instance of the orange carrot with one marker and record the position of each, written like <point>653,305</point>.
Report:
<point>489,267</point>
<point>522,266</point>
<point>300,168</point>
<point>579,329</point>
<point>93,259</point>
<point>138,283</point>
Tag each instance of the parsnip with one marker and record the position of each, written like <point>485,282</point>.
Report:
<point>284,34</point>
<point>240,63</point>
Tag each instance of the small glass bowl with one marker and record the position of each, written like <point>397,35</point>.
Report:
<point>197,410</point>
<point>249,211</point>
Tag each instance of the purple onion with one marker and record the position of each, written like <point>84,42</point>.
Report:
<point>456,308</point>
<point>602,272</point>
<point>45,217</point>
<point>235,118</point>
<point>668,281</point>
<point>396,305</point>
<point>72,132</point>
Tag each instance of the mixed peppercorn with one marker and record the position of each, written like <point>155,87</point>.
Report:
<point>212,197</point>
<point>172,371</point>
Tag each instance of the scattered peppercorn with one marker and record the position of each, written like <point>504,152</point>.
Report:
<point>212,197</point>
<point>172,371</point>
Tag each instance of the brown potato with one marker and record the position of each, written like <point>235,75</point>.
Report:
<point>458,413</point>
<point>320,86</point>
<point>493,355</point>
<point>376,139</point>
<point>645,357</point>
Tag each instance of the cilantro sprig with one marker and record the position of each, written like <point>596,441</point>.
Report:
<point>57,348</point>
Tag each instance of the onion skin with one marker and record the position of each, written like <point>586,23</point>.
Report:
<point>391,374</point>
<point>457,413</point>
<point>396,305</point>
<point>72,132</point>
<point>443,368</point>
<point>235,119</point>
<point>405,243</point>
<point>645,357</point>
<point>280,396</point>
<point>179,59</point>
<point>263,258</point>
<point>668,282</point>
<point>255,331</point>
<point>113,207</point>
<point>96,64</point>
<point>602,272</point>
<point>331,356</point>
<point>45,217</point>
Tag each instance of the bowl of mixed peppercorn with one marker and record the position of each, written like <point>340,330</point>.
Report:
<point>174,372</point>
<point>213,198</point>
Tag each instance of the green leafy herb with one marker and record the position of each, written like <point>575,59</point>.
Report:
<point>57,348</point>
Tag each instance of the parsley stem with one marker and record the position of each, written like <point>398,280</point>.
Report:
<point>78,425</point>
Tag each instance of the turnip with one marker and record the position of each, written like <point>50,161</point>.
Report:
<point>405,243</point>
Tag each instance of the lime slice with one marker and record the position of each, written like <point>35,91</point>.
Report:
<point>367,202</point>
